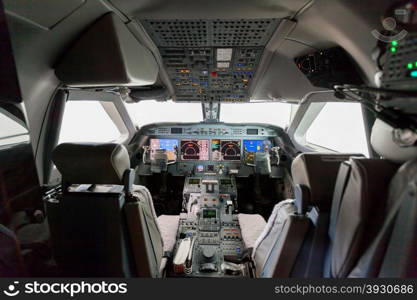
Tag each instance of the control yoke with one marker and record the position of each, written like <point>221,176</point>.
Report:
<point>159,161</point>
<point>262,161</point>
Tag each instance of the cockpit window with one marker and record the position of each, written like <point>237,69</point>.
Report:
<point>11,132</point>
<point>151,111</point>
<point>275,113</point>
<point>87,121</point>
<point>339,127</point>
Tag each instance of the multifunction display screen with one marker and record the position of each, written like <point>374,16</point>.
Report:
<point>170,145</point>
<point>256,145</point>
<point>195,149</point>
<point>225,150</point>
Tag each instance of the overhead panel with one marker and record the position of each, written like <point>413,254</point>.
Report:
<point>211,60</point>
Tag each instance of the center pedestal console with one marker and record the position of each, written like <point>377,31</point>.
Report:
<point>209,241</point>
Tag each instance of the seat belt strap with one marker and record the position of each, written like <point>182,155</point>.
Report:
<point>319,245</point>
<point>341,182</point>
<point>339,190</point>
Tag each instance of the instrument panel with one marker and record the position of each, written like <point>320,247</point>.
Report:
<point>225,150</point>
<point>194,150</point>
<point>199,150</point>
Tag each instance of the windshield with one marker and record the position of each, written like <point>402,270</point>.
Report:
<point>151,111</point>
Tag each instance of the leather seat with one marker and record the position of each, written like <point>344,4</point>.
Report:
<point>360,213</point>
<point>276,248</point>
<point>391,246</point>
<point>103,225</point>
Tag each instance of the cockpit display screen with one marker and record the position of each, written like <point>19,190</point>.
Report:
<point>225,150</point>
<point>170,145</point>
<point>256,145</point>
<point>195,150</point>
<point>251,147</point>
<point>209,213</point>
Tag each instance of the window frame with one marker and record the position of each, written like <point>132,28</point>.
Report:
<point>54,117</point>
<point>113,106</point>
<point>307,114</point>
<point>14,138</point>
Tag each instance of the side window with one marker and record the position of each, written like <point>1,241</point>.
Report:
<point>11,131</point>
<point>339,127</point>
<point>87,121</point>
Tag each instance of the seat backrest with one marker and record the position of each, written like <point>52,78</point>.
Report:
<point>361,212</point>
<point>271,251</point>
<point>145,234</point>
<point>392,250</point>
<point>318,172</point>
<point>93,225</point>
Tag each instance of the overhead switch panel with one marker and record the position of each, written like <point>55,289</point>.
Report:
<point>211,60</point>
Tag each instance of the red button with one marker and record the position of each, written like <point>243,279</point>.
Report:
<point>213,74</point>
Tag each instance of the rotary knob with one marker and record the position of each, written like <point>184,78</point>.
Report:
<point>208,253</point>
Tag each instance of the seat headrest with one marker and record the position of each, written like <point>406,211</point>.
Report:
<point>382,141</point>
<point>318,172</point>
<point>91,163</point>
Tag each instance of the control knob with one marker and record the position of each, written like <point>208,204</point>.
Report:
<point>208,253</point>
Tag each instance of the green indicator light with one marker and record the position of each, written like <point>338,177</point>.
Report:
<point>413,74</point>
<point>415,64</point>
<point>410,66</point>
<point>393,49</point>
<point>394,43</point>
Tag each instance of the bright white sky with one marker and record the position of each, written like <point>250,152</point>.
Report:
<point>340,127</point>
<point>147,112</point>
<point>87,121</point>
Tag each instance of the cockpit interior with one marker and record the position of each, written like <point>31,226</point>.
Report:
<point>220,139</point>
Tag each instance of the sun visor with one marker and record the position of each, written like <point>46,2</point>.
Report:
<point>107,54</point>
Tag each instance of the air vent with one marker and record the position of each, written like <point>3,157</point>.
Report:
<point>242,32</point>
<point>217,33</point>
<point>163,130</point>
<point>177,33</point>
<point>237,131</point>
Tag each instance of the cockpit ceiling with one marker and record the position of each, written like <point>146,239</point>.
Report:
<point>211,60</point>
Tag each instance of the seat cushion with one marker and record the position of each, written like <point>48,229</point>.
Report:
<point>252,226</point>
<point>168,226</point>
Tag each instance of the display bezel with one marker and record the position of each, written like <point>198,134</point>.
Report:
<point>189,140</point>
<point>226,140</point>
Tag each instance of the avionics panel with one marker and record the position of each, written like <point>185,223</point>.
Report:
<point>170,145</point>
<point>256,145</point>
<point>225,150</point>
<point>250,147</point>
<point>194,150</point>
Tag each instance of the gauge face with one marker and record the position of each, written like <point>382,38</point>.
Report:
<point>230,150</point>
<point>194,150</point>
